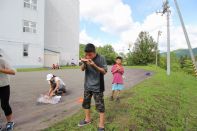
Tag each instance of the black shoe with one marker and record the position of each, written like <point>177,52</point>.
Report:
<point>83,123</point>
<point>111,98</point>
<point>101,129</point>
<point>118,99</point>
<point>10,126</point>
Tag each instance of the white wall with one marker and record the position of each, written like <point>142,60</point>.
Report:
<point>50,59</point>
<point>62,28</point>
<point>61,31</point>
<point>14,54</point>
<point>12,37</point>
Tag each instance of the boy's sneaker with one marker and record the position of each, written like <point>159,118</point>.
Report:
<point>10,126</point>
<point>83,123</point>
<point>101,129</point>
<point>111,98</point>
<point>118,99</point>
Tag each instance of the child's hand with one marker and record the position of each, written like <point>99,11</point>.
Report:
<point>84,60</point>
<point>87,61</point>
<point>91,62</point>
<point>118,67</point>
<point>47,94</point>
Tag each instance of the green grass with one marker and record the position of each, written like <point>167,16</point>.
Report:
<point>44,69</point>
<point>159,103</point>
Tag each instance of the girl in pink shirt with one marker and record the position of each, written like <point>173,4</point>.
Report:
<point>117,83</point>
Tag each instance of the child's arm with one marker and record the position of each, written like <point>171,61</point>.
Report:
<point>103,71</point>
<point>121,70</point>
<point>7,71</point>
<point>114,69</point>
<point>100,69</point>
<point>57,86</point>
<point>50,91</point>
<point>83,67</point>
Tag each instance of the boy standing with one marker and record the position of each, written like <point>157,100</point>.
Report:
<point>117,83</point>
<point>95,68</point>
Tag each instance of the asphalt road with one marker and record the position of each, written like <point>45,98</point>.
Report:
<point>26,87</point>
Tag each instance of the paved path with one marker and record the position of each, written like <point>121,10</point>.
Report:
<point>26,88</point>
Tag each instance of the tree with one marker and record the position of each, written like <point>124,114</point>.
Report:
<point>182,62</point>
<point>174,62</point>
<point>81,50</point>
<point>108,52</point>
<point>175,65</point>
<point>144,49</point>
<point>187,65</point>
<point>162,62</point>
<point>129,59</point>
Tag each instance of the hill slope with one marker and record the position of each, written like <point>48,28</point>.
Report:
<point>182,52</point>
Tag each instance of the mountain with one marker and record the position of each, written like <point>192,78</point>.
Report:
<point>182,52</point>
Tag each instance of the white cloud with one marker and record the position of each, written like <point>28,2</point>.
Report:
<point>152,24</point>
<point>178,40</point>
<point>115,17</point>
<point>85,38</point>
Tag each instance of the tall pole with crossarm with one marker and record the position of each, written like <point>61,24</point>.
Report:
<point>166,6</point>
<point>186,35</point>
<point>166,10</point>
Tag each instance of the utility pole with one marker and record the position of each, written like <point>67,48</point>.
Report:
<point>129,49</point>
<point>168,37</point>
<point>186,35</point>
<point>166,10</point>
<point>156,50</point>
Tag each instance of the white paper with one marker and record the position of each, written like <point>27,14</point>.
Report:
<point>47,100</point>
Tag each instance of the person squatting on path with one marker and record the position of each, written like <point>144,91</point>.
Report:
<point>95,68</point>
<point>117,83</point>
<point>57,86</point>
<point>6,70</point>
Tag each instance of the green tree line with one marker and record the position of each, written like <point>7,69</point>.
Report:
<point>144,53</point>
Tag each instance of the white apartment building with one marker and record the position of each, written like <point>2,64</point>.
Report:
<point>39,33</point>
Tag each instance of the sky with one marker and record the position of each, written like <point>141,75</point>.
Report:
<point>118,22</point>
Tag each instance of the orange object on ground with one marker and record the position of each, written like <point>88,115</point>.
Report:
<point>80,100</point>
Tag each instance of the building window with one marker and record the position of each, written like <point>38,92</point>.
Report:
<point>29,26</point>
<point>32,4</point>
<point>25,50</point>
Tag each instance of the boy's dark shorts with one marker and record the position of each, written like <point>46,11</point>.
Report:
<point>99,100</point>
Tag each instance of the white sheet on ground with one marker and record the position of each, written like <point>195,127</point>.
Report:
<point>47,99</point>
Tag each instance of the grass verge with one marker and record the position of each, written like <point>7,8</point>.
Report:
<point>45,69</point>
<point>159,103</point>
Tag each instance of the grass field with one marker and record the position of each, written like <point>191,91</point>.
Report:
<point>159,103</point>
<point>44,69</point>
